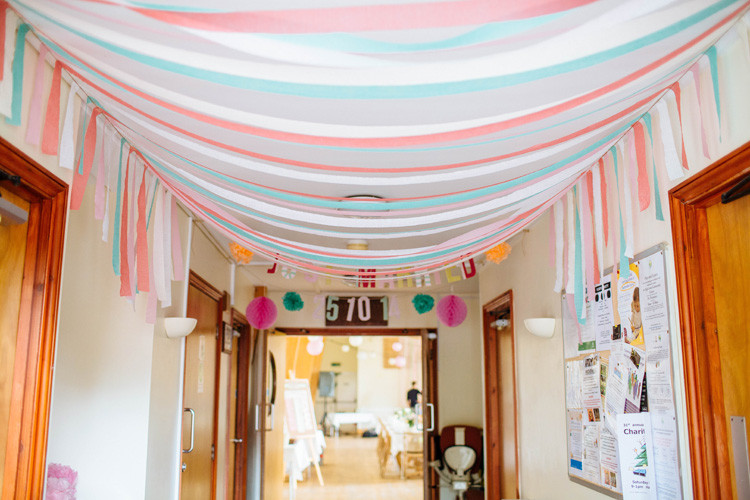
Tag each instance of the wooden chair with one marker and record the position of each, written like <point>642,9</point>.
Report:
<point>384,451</point>
<point>411,459</point>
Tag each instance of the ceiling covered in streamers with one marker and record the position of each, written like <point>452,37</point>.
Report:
<point>432,130</point>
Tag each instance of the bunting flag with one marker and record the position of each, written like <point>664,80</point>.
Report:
<point>272,134</point>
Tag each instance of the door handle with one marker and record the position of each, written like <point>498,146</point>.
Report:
<point>432,417</point>
<point>236,441</point>
<point>273,406</point>
<point>257,420</point>
<point>192,429</point>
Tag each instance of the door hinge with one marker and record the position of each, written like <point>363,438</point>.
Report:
<point>213,452</point>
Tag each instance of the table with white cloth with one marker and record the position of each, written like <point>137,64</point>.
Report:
<point>401,442</point>
<point>363,419</point>
<point>299,455</point>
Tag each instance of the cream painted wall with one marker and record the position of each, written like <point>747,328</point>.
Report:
<point>541,396</point>
<point>382,388</point>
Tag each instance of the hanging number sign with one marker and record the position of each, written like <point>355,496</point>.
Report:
<point>356,311</point>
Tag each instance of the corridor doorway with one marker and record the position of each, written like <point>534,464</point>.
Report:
<point>710,217</point>
<point>345,412</point>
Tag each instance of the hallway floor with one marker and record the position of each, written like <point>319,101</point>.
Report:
<point>350,470</point>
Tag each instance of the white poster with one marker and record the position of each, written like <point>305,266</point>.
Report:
<point>591,383</point>
<point>588,332</point>
<point>573,384</point>
<point>629,307</point>
<point>666,456</point>
<point>575,442</point>
<point>603,315</point>
<point>610,468</point>
<point>659,370</point>
<point>591,451</point>
<point>653,294</point>
<point>636,454</point>
<point>614,399</point>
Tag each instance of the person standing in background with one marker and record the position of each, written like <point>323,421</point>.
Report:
<point>413,395</point>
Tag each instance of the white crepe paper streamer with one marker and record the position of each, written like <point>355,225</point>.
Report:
<point>708,107</point>
<point>598,217</point>
<point>557,213</point>
<point>393,308</point>
<point>166,238</point>
<point>99,161</point>
<point>742,32</point>
<point>627,200</point>
<point>671,157</point>
<point>67,138</point>
<point>158,249</point>
<point>6,85</point>
<point>580,207</point>
<point>571,222</point>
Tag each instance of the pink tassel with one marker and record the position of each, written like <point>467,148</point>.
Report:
<point>141,238</point>
<point>124,262</point>
<point>52,118</point>
<point>644,189</point>
<point>80,180</point>
<point>34,127</point>
<point>676,89</point>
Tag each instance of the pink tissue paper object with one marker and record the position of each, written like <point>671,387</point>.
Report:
<point>261,312</point>
<point>451,310</point>
<point>61,482</point>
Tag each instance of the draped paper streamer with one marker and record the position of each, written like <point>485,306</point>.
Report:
<point>52,116</point>
<point>34,125</point>
<point>605,208</point>
<point>677,93</point>
<point>177,266</point>
<point>657,189</point>
<point>559,244</point>
<point>158,274</point>
<point>628,208</point>
<point>166,239</point>
<point>125,231</point>
<point>18,56</point>
<point>714,64</point>
<point>67,138</point>
<point>703,121</point>
<point>592,274</point>
<point>644,188</point>
<point>394,310</point>
<point>116,233</point>
<point>624,262</point>
<point>99,158</point>
<point>571,225</point>
<point>132,223</point>
<point>579,275</point>
<point>599,231</point>
<point>142,238</point>
<point>551,249</point>
<point>587,239</point>
<point>671,159</point>
<point>151,301</point>
<point>709,114</point>
<point>81,174</point>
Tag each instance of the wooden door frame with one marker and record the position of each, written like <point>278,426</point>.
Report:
<point>203,286</point>
<point>26,452</point>
<point>429,366</point>
<point>240,323</point>
<point>492,393</point>
<point>707,430</point>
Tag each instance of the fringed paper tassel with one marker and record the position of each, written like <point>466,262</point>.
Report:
<point>671,158</point>
<point>675,87</point>
<point>558,217</point>
<point>579,274</point>
<point>124,226</point>
<point>82,173</point>
<point>177,267</point>
<point>644,188</point>
<point>18,55</point>
<point>142,264</point>
<point>9,21</point>
<point>657,191</point>
<point>587,237</point>
<point>599,216</point>
<point>34,126</point>
<point>51,132</point>
<point>571,247</point>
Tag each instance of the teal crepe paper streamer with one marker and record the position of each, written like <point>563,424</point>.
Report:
<point>423,303</point>
<point>293,302</point>
<point>578,293</point>
<point>84,123</point>
<point>657,196</point>
<point>624,262</point>
<point>714,64</point>
<point>118,211</point>
<point>153,201</point>
<point>18,55</point>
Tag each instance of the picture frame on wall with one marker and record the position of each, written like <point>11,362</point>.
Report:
<point>227,337</point>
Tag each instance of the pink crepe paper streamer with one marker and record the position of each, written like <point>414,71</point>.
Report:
<point>261,313</point>
<point>552,237</point>
<point>151,303</point>
<point>677,94</point>
<point>177,270</point>
<point>644,189</point>
<point>52,117</point>
<point>141,238</point>
<point>61,482</point>
<point>589,195</point>
<point>34,127</point>
<point>569,300</point>
<point>124,264</point>
<point>451,310</point>
<point>588,240</point>
<point>605,210</point>
<point>80,179</point>
<point>99,192</point>
<point>695,70</point>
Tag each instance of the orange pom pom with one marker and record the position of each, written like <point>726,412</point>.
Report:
<point>241,254</point>
<point>498,253</point>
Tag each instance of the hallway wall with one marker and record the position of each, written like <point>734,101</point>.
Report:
<point>541,396</point>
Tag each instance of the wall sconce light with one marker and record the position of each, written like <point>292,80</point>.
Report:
<point>541,327</point>
<point>176,328</point>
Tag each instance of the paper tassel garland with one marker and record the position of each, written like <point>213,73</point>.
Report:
<point>451,310</point>
<point>240,254</point>
<point>423,303</point>
<point>293,301</point>
<point>261,313</point>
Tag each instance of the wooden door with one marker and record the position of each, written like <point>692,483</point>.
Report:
<point>237,411</point>
<point>430,413</point>
<point>711,260</point>
<point>12,253</point>
<point>199,427</point>
<point>28,319</point>
<point>501,432</point>
<point>730,262</point>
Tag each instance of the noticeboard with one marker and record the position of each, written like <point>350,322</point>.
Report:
<point>619,391</point>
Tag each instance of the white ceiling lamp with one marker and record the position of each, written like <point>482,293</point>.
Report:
<point>356,341</point>
<point>541,327</point>
<point>397,346</point>
<point>345,348</point>
<point>177,328</point>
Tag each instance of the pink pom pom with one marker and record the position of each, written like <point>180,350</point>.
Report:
<point>261,313</point>
<point>451,310</point>
<point>314,348</point>
<point>61,482</point>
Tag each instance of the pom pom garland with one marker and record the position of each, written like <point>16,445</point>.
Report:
<point>261,313</point>
<point>293,301</point>
<point>451,310</point>
<point>423,303</point>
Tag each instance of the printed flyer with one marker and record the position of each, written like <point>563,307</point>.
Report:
<point>629,307</point>
<point>575,442</point>
<point>636,369</point>
<point>591,451</point>
<point>636,456</point>
<point>603,316</point>
<point>591,382</point>
<point>666,458</point>
<point>610,468</point>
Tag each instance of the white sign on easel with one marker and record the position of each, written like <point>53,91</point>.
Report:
<point>300,419</point>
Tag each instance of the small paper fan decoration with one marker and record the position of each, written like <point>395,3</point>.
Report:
<point>499,253</point>
<point>293,302</point>
<point>451,310</point>
<point>423,303</point>
<point>261,313</point>
<point>240,254</point>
